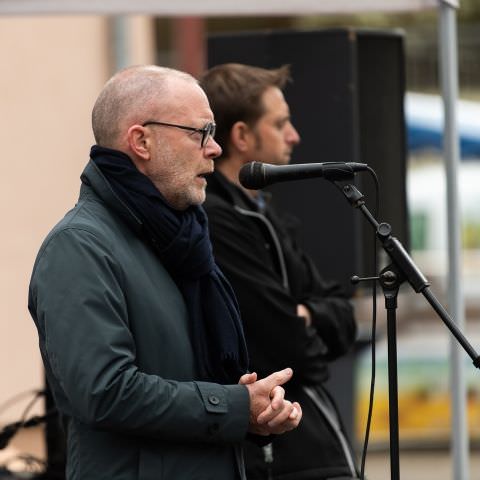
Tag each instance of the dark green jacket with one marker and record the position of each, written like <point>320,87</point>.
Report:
<point>114,337</point>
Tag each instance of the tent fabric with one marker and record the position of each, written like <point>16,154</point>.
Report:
<point>211,7</point>
<point>424,117</point>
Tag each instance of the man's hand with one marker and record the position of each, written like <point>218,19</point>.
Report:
<point>269,411</point>
<point>303,311</point>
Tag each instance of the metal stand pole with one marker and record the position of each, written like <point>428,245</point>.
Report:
<point>390,281</point>
<point>449,83</point>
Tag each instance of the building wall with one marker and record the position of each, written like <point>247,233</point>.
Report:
<point>52,70</point>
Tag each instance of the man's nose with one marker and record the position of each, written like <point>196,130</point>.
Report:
<point>292,136</point>
<point>212,149</point>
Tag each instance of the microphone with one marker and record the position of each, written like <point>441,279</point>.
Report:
<point>256,175</point>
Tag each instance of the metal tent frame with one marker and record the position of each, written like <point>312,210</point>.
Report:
<point>449,80</point>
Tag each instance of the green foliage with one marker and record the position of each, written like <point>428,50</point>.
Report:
<point>469,11</point>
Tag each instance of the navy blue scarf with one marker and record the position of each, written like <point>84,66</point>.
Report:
<point>181,240</point>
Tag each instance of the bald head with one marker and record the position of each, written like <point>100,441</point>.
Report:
<point>132,96</point>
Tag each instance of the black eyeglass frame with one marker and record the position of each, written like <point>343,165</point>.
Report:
<point>207,131</point>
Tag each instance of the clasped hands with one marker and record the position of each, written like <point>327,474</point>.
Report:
<point>270,413</point>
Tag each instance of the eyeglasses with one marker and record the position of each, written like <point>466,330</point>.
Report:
<point>207,131</point>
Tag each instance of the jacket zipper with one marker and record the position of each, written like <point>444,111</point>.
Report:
<point>318,402</point>
<point>276,241</point>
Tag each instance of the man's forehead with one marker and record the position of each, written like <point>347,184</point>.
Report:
<point>274,103</point>
<point>185,101</point>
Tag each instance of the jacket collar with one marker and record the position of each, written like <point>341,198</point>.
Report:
<point>93,178</point>
<point>219,185</point>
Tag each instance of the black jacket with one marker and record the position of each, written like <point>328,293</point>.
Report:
<point>256,250</point>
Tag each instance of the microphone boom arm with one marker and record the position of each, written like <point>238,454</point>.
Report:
<point>405,264</point>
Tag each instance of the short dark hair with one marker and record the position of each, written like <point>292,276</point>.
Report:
<point>234,92</point>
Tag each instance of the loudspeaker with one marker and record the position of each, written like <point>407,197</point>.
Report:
<point>346,101</point>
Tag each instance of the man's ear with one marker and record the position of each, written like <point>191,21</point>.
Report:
<point>241,136</point>
<point>139,141</point>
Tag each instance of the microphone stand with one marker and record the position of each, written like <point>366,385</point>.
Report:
<point>391,277</point>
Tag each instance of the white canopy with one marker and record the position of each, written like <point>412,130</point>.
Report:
<point>212,7</point>
<point>424,116</point>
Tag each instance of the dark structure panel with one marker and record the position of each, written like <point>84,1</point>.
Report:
<point>346,101</point>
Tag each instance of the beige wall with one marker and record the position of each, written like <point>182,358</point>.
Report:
<point>52,71</point>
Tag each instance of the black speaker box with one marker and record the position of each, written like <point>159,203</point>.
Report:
<point>346,101</point>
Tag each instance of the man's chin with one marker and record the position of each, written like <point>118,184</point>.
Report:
<point>280,161</point>
<point>198,198</point>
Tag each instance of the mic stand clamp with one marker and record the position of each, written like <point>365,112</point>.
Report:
<point>401,268</point>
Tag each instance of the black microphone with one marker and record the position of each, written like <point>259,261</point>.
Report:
<point>255,175</point>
